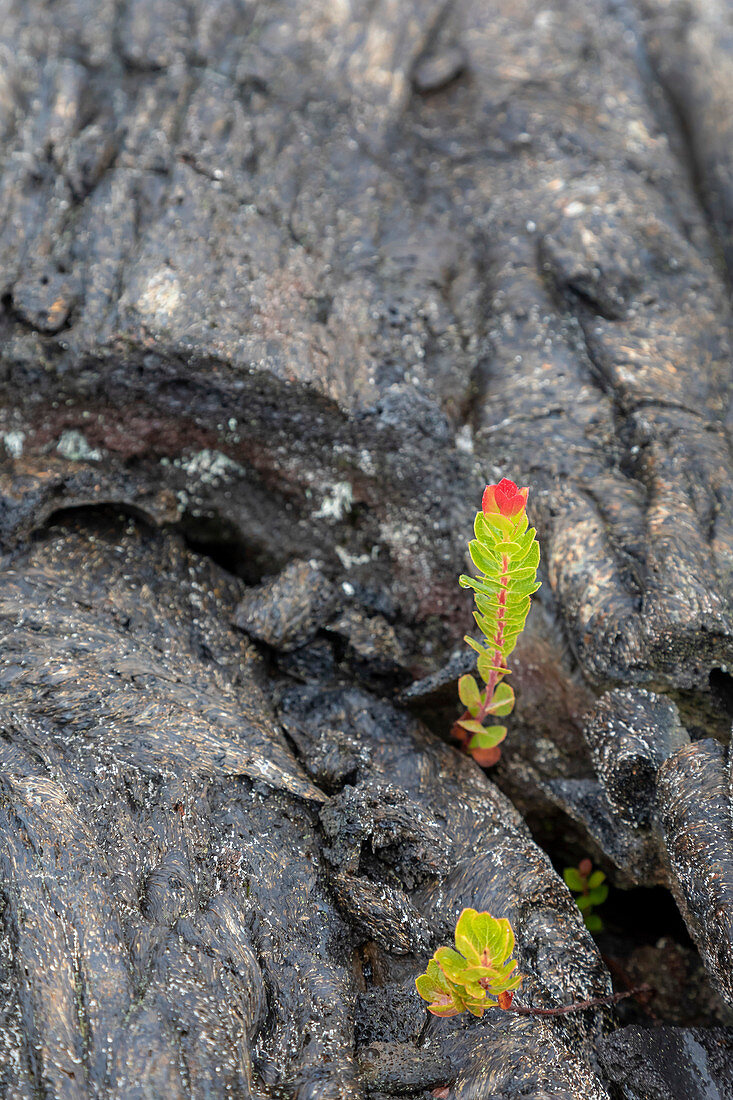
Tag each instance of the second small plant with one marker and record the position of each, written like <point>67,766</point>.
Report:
<point>589,889</point>
<point>506,555</point>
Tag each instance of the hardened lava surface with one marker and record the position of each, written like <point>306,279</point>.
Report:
<point>286,285</point>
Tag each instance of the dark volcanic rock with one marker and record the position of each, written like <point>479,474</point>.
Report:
<point>402,1068</point>
<point>668,1063</point>
<point>287,611</point>
<point>497,1060</point>
<point>240,252</point>
<point>691,46</point>
<point>379,820</point>
<point>635,851</point>
<point>291,282</point>
<point>695,812</point>
<point>175,915</point>
<point>631,733</point>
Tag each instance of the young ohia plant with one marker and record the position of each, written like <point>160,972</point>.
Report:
<point>506,555</point>
<point>589,889</point>
<point>478,974</point>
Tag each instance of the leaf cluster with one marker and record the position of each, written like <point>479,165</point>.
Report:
<point>478,974</point>
<point>589,889</point>
<point>506,555</point>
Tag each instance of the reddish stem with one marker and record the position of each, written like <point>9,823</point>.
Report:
<point>498,641</point>
<point>488,757</point>
<point>563,1010</point>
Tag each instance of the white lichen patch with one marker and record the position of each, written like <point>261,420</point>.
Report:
<point>210,467</point>
<point>161,295</point>
<point>73,445</point>
<point>464,439</point>
<point>13,443</point>
<point>336,503</point>
<point>349,560</point>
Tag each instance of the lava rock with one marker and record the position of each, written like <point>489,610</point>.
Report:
<point>667,1063</point>
<point>635,851</point>
<point>433,73</point>
<point>695,813</point>
<point>402,1068</point>
<point>288,610</point>
<point>631,732</point>
<point>394,1011</point>
<point>382,913</point>
<point>408,844</point>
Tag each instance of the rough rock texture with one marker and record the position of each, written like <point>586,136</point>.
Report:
<point>668,1063</point>
<point>288,283</point>
<point>630,734</point>
<point>176,916</point>
<point>694,801</point>
<point>691,47</point>
<point>248,253</point>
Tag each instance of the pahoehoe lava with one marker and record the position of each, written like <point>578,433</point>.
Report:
<point>282,286</point>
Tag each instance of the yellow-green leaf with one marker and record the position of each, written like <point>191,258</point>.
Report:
<point>469,694</point>
<point>484,940</point>
<point>471,725</point>
<point>487,738</point>
<point>444,998</point>
<point>502,701</point>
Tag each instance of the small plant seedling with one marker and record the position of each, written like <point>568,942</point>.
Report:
<point>589,889</point>
<point>481,973</point>
<point>506,555</point>
<point>478,974</point>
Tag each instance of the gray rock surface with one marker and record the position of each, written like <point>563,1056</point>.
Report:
<point>667,1063</point>
<point>694,802</point>
<point>176,915</point>
<point>288,283</point>
<point>631,733</point>
<point>243,254</point>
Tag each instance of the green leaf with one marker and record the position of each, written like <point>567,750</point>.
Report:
<point>596,879</point>
<point>479,969</point>
<point>489,599</point>
<point>525,588</point>
<point>508,548</point>
<point>584,902</point>
<point>487,738</point>
<point>433,986</point>
<point>517,603</point>
<point>485,624</point>
<point>499,527</point>
<point>572,879</point>
<point>484,940</point>
<point>486,585</point>
<point>481,531</point>
<point>502,701</point>
<point>483,558</point>
<point>486,666</point>
<point>530,558</point>
<point>457,971</point>
<point>526,539</point>
<point>593,923</point>
<point>471,725</point>
<point>515,620</point>
<point>474,644</point>
<point>469,694</point>
<point>479,585</point>
<point>520,526</point>
<point>510,636</point>
<point>487,605</point>
<point>521,573</point>
<point>599,895</point>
